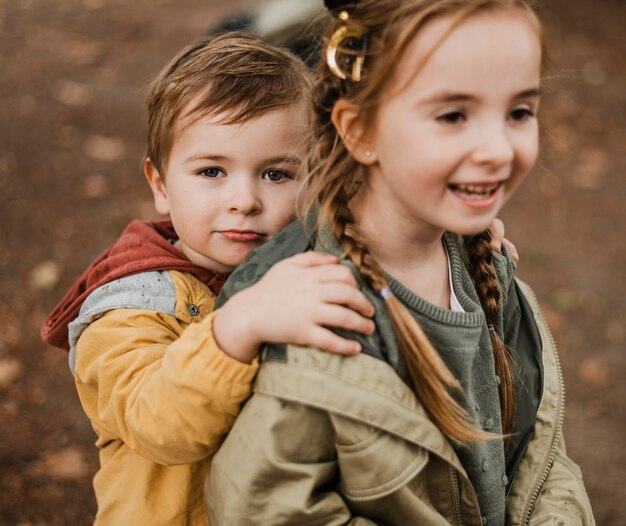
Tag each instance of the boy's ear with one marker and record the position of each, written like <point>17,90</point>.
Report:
<point>350,126</point>
<point>157,185</point>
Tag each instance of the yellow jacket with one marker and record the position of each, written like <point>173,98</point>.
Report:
<point>160,394</point>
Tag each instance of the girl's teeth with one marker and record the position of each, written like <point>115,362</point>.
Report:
<point>475,191</point>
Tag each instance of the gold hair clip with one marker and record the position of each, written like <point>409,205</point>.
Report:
<point>355,57</point>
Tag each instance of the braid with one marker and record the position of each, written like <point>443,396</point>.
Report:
<point>480,257</point>
<point>429,377</point>
<point>333,180</point>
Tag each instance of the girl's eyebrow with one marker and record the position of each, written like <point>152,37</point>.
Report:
<point>448,96</point>
<point>528,94</point>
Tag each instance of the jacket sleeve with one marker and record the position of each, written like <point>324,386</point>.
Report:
<point>277,467</point>
<point>165,390</point>
<point>563,498</point>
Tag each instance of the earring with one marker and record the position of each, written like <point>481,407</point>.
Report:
<point>367,153</point>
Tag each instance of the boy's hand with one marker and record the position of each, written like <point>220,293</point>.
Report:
<point>293,303</point>
<point>497,238</point>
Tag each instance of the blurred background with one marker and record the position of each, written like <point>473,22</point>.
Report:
<point>71,142</point>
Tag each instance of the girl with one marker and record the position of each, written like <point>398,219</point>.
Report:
<point>453,413</point>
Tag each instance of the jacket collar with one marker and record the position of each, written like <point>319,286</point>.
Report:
<point>142,247</point>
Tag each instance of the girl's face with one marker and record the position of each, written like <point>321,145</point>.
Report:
<point>456,131</point>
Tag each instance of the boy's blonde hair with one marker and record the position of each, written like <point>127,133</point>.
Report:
<point>236,75</point>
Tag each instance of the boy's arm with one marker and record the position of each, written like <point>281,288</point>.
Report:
<point>172,393</point>
<point>295,302</point>
<point>168,392</point>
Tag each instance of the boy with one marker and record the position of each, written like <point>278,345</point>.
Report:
<point>160,376</point>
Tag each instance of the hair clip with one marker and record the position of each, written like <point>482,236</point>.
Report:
<point>385,293</point>
<point>491,327</point>
<point>349,43</point>
<point>341,6</point>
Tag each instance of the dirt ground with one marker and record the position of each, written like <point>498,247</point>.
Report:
<point>72,138</point>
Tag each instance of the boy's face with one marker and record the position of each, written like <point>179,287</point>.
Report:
<point>229,188</point>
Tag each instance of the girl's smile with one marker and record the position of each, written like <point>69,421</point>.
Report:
<point>456,132</point>
<point>476,195</point>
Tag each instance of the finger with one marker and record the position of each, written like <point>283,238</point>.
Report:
<point>497,234</point>
<point>512,249</point>
<point>336,273</point>
<point>344,318</point>
<point>326,340</point>
<point>312,259</point>
<point>347,295</point>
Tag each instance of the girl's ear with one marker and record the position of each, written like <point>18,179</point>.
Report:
<point>157,185</point>
<point>350,126</point>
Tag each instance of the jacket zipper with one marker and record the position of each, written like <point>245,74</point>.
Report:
<point>457,498</point>
<point>530,504</point>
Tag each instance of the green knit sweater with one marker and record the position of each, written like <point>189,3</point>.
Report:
<point>461,338</point>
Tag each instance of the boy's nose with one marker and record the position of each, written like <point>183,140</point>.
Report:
<point>244,199</point>
<point>494,147</point>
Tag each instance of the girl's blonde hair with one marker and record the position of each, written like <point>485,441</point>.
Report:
<point>388,27</point>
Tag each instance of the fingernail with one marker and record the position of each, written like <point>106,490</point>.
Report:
<point>497,245</point>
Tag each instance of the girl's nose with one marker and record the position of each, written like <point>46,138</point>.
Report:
<point>494,148</point>
<point>244,199</point>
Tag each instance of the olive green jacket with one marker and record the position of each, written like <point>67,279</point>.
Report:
<point>329,440</point>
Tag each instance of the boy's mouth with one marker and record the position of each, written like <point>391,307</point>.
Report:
<point>475,192</point>
<point>242,235</point>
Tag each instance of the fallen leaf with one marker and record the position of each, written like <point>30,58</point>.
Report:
<point>44,276</point>
<point>72,94</point>
<point>563,300</point>
<point>68,463</point>
<point>95,186</point>
<point>10,369</point>
<point>105,149</point>
<point>615,332</point>
<point>82,52</point>
<point>593,372</point>
<point>7,163</point>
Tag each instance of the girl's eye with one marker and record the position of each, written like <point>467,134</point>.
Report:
<point>276,176</point>
<point>522,114</point>
<point>211,173</point>
<point>452,117</point>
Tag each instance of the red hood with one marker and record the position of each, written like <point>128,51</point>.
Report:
<point>142,247</point>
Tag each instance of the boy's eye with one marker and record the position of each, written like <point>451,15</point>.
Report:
<point>276,176</point>
<point>451,117</point>
<point>522,114</point>
<point>211,172</point>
